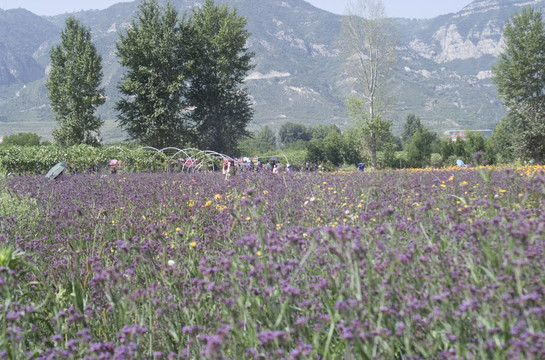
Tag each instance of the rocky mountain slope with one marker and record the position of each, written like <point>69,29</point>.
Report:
<point>443,73</point>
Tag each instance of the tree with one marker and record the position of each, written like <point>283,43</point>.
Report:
<point>352,147</point>
<point>220,62</point>
<point>154,50</point>
<point>74,86</point>
<point>388,146</point>
<point>369,44</point>
<point>419,148</point>
<point>474,142</point>
<point>447,150</point>
<point>520,80</point>
<point>290,132</point>
<point>261,143</point>
<point>266,139</point>
<point>333,145</point>
<point>22,139</point>
<point>315,151</point>
<point>460,150</point>
<point>411,127</point>
<point>320,131</point>
<point>371,132</point>
<point>499,145</point>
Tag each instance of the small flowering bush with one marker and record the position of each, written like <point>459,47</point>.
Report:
<point>427,264</point>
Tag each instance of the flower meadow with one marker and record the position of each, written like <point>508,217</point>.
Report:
<point>422,264</point>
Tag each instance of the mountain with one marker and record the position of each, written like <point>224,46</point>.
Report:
<point>443,73</point>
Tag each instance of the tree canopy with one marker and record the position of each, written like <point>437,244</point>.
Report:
<point>21,139</point>
<point>74,86</point>
<point>290,132</point>
<point>221,106</point>
<point>183,85</point>
<point>520,80</point>
<point>154,52</point>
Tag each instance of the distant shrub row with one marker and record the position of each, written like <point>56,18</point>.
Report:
<point>22,160</point>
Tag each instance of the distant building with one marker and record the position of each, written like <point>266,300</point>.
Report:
<point>462,134</point>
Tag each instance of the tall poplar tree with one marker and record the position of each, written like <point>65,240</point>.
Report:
<point>153,50</point>
<point>520,80</point>
<point>221,105</point>
<point>74,86</point>
<point>369,41</point>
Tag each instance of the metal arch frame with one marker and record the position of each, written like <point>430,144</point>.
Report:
<point>192,155</point>
<point>203,157</point>
<point>277,156</point>
<point>210,155</point>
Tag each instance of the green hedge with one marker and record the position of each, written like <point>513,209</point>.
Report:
<point>39,159</point>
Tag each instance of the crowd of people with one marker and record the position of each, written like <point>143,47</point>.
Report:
<point>231,166</point>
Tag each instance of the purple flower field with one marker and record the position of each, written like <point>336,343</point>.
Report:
<point>428,264</point>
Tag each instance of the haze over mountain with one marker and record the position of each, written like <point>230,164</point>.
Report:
<point>443,74</point>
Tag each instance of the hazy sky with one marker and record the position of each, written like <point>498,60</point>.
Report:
<point>420,9</point>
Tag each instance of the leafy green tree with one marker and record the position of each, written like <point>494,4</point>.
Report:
<point>475,143</point>
<point>460,150</point>
<point>74,86</point>
<point>154,51</point>
<point>419,148</point>
<point>352,147</point>
<point>372,133</point>
<point>447,150</point>
<point>520,80</point>
<point>387,156</point>
<point>220,62</point>
<point>290,132</point>
<point>321,131</point>
<point>266,139</point>
<point>499,146</point>
<point>22,139</point>
<point>412,126</point>
<point>315,152</point>
<point>333,145</point>
<point>263,142</point>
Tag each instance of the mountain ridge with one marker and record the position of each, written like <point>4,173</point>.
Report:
<point>443,74</point>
